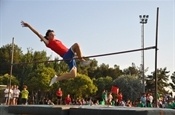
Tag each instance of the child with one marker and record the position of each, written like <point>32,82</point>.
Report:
<point>58,47</point>
<point>24,95</point>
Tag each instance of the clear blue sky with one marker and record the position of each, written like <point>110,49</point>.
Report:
<point>98,26</point>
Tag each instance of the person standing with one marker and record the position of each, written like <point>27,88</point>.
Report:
<point>68,100</point>
<point>8,94</point>
<point>104,97</point>
<point>120,97</point>
<point>24,95</point>
<point>16,93</point>
<point>59,95</point>
<point>143,99</point>
<point>110,98</point>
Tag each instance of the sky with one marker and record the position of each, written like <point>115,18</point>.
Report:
<point>99,26</point>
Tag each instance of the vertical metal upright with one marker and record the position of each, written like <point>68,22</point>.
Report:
<point>156,49</point>
<point>11,69</point>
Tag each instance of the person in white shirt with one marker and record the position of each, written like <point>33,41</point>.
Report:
<point>150,98</point>
<point>110,97</point>
<point>16,93</point>
<point>7,94</point>
<point>11,96</point>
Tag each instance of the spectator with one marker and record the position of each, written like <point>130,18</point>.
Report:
<point>143,99</point>
<point>149,100</point>
<point>68,100</point>
<point>129,103</point>
<point>59,95</point>
<point>8,94</point>
<point>120,97</point>
<point>104,96</point>
<point>110,98</point>
<point>11,95</point>
<point>89,101</point>
<point>24,95</point>
<point>16,93</point>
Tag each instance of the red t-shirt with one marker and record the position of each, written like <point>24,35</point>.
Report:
<point>57,46</point>
<point>67,100</point>
<point>120,97</point>
<point>59,93</point>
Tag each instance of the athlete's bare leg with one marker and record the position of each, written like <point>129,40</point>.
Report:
<point>71,74</point>
<point>76,49</point>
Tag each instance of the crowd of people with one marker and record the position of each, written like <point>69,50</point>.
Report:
<point>111,99</point>
<point>14,96</point>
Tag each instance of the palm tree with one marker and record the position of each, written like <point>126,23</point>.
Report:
<point>162,81</point>
<point>173,81</point>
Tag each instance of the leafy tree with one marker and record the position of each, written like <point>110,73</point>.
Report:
<point>24,66</point>
<point>58,66</point>
<point>5,80</point>
<point>132,70</point>
<point>5,58</point>
<point>92,68</point>
<point>104,70</point>
<point>85,69</point>
<point>39,56</point>
<point>29,63</point>
<point>81,86</point>
<point>103,83</point>
<point>129,85</point>
<point>39,79</point>
<point>100,71</point>
<point>115,72</point>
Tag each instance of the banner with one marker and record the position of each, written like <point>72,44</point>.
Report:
<point>114,90</point>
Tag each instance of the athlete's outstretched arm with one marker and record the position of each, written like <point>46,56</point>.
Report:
<point>24,24</point>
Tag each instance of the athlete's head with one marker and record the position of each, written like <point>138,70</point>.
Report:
<point>49,34</point>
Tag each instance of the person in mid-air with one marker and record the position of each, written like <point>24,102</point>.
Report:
<point>58,47</point>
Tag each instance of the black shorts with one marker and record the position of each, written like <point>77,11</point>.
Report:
<point>23,101</point>
<point>59,97</point>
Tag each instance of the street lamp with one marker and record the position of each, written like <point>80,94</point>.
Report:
<point>143,20</point>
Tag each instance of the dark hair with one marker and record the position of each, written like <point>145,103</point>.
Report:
<point>25,86</point>
<point>47,33</point>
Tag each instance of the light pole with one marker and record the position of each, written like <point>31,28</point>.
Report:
<point>143,20</point>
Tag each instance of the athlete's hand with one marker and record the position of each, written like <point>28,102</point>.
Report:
<point>24,24</point>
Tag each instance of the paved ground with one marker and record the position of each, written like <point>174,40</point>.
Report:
<point>81,110</point>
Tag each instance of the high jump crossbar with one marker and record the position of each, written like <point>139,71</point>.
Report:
<point>91,56</point>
